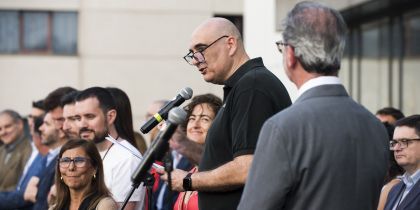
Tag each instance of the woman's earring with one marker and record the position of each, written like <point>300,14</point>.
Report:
<point>94,176</point>
<point>61,178</point>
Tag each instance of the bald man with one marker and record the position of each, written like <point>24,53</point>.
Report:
<point>252,94</point>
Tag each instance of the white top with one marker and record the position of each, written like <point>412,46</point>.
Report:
<point>31,159</point>
<point>119,165</point>
<point>318,81</point>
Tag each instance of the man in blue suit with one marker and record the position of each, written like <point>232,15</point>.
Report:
<point>406,145</point>
<point>53,137</point>
<point>165,198</point>
<point>14,199</point>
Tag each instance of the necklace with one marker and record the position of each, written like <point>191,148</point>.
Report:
<point>107,151</point>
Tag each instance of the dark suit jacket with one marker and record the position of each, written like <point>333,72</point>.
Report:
<point>324,152</point>
<point>411,200</point>
<point>169,197</point>
<point>44,186</point>
<point>14,199</point>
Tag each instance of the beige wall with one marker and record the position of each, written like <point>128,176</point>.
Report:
<point>136,45</point>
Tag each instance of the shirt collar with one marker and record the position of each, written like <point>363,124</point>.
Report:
<point>240,72</point>
<point>318,81</point>
<point>52,154</point>
<point>410,181</point>
<point>10,147</point>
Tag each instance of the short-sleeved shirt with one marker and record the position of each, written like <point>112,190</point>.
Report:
<point>251,95</point>
<point>119,165</point>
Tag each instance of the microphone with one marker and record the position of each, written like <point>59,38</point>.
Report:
<point>160,146</point>
<point>183,95</point>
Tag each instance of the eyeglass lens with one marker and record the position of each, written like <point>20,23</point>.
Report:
<point>78,161</point>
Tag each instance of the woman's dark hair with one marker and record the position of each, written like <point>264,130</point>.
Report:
<point>214,102</point>
<point>124,121</point>
<point>97,191</point>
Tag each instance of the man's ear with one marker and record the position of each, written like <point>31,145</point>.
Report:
<point>290,57</point>
<point>111,115</point>
<point>232,43</point>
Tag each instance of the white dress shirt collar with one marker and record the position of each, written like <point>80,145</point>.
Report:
<point>318,81</point>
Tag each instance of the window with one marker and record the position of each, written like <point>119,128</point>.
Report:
<point>9,32</point>
<point>38,32</point>
<point>382,54</point>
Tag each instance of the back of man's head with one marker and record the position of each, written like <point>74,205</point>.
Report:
<point>391,111</point>
<point>53,100</point>
<point>104,97</point>
<point>317,34</point>
<point>412,121</point>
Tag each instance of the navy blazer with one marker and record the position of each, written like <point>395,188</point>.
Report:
<point>44,186</point>
<point>169,197</point>
<point>411,200</point>
<point>14,199</point>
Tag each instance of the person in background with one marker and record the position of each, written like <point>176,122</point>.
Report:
<point>53,136</point>
<point>37,110</point>
<point>37,114</point>
<point>200,115</point>
<point>14,199</point>
<point>96,113</point>
<point>68,102</point>
<point>389,114</point>
<point>16,149</point>
<point>79,179</point>
<point>394,170</point>
<point>124,121</point>
<point>406,145</point>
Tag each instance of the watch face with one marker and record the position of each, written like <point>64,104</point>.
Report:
<point>186,182</point>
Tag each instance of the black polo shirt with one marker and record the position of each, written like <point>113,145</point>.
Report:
<point>251,95</point>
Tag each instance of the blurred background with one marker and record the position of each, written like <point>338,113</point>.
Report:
<point>138,45</point>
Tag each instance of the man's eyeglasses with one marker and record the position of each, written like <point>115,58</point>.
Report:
<point>281,45</point>
<point>403,143</point>
<point>79,162</point>
<point>198,56</point>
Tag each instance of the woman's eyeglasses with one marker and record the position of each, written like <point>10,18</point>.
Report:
<point>77,161</point>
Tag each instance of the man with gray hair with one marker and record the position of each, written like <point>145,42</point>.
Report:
<point>325,151</point>
<point>15,151</point>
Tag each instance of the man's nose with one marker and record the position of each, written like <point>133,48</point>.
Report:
<point>81,123</point>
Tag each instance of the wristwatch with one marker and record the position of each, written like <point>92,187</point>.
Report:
<point>187,182</point>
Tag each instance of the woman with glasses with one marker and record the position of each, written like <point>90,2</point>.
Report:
<point>201,112</point>
<point>79,178</point>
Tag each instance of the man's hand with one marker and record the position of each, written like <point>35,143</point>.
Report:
<point>52,195</point>
<point>177,177</point>
<point>31,190</point>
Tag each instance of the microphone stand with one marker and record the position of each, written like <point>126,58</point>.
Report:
<point>156,151</point>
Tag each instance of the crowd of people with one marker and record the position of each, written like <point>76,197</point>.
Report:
<point>252,149</point>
